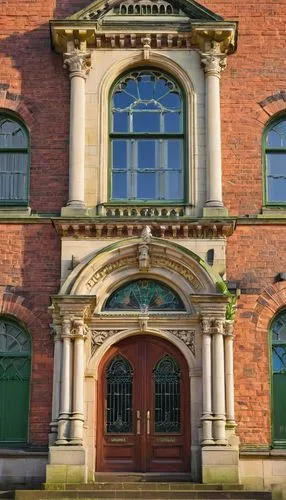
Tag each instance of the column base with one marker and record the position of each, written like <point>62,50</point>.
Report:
<point>67,464</point>
<point>74,211</point>
<point>220,464</point>
<point>215,212</point>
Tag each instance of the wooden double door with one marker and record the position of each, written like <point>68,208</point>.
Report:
<point>143,408</point>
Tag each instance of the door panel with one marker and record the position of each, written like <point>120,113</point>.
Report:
<point>143,408</point>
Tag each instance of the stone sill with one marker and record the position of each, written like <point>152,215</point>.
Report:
<point>22,452</point>
<point>263,453</point>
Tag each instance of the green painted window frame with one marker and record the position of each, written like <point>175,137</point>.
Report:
<point>149,202</point>
<point>276,443</point>
<point>20,440</point>
<point>266,150</point>
<point>13,201</point>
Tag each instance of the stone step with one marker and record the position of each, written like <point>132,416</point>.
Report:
<point>141,494</point>
<point>154,486</point>
<point>132,477</point>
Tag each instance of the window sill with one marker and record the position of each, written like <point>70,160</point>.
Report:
<point>14,211</point>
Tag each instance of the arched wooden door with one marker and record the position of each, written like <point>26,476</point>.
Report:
<point>143,408</point>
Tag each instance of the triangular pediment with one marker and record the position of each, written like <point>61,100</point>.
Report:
<point>146,9</point>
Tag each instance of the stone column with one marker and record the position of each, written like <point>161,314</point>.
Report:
<point>78,63</point>
<point>213,62</point>
<point>218,383</point>
<point>66,381</point>
<point>207,437</point>
<point>229,377</point>
<point>56,382</point>
<point>77,419</point>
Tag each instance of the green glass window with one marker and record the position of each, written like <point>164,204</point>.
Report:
<point>144,295</point>
<point>275,162</point>
<point>14,161</point>
<point>147,138</point>
<point>278,337</point>
<point>15,370</point>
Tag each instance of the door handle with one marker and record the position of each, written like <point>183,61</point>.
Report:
<point>148,421</point>
<point>138,415</point>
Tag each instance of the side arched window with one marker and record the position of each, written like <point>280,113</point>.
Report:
<point>15,372</point>
<point>147,136</point>
<point>275,162</point>
<point>278,341</point>
<point>14,161</point>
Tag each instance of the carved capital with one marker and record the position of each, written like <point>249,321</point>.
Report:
<point>79,328</point>
<point>78,63</point>
<point>213,61</point>
<point>56,330</point>
<point>66,328</point>
<point>228,328</point>
<point>206,326</point>
<point>212,326</point>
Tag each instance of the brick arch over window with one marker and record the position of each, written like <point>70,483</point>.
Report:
<point>271,105</point>
<point>268,304</point>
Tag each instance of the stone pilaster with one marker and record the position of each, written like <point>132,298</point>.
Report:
<point>78,64</point>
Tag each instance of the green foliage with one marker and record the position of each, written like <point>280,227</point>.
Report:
<point>232,299</point>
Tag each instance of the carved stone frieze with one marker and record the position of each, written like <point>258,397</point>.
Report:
<point>187,336</point>
<point>179,268</point>
<point>98,337</point>
<point>109,268</point>
<point>198,229</point>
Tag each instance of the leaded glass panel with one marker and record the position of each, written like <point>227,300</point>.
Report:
<point>167,395</point>
<point>119,378</point>
<point>147,137</point>
<point>144,295</point>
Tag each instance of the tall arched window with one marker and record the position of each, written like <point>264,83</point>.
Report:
<point>14,161</point>
<point>278,340</point>
<point>147,138</point>
<point>275,162</point>
<point>15,371</point>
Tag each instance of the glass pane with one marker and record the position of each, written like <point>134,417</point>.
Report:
<point>148,121</point>
<point>120,122</point>
<point>119,378</point>
<point>167,396</point>
<point>276,177</point>
<point>146,154</point>
<point>279,359</point>
<point>146,186</point>
<point>121,100</point>
<point>175,153</point>
<point>12,135</point>
<point>144,295</point>
<point>174,185</point>
<point>172,123</point>
<point>279,328</point>
<point>13,338</point>
<point>171,101</point>
<point>119,154</point>
<point>119,185</point>
<point>13,176</point>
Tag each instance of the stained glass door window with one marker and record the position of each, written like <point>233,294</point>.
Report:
<point>278,331</point>
<point>147,138</point>
<point>167,396</point>
<point>144,295</point>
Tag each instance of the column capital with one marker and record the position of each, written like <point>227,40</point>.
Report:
<point>56,330</point>
<point>228,328</point>
<point>79,329</point>
<point>78,63</point>
<point>213,325</point>
<point>213,60</point>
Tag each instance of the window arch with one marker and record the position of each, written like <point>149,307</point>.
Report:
<point>147,132</point>
<point>275,161</point>
<point>15,371</point>
<point>144,295</point>
<point>14,161</point>
<point>278,348</point>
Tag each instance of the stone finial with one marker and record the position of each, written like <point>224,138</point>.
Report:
<point>146,234</point>
<point>78,63</point>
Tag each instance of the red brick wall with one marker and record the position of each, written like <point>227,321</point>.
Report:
<point>29,274</point>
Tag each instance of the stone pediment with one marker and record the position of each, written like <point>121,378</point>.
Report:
<point>146,8</point>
